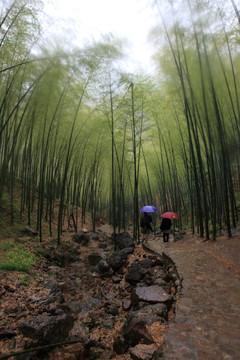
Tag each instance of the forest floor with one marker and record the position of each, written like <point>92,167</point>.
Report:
<point>24,295</point>
<point>20,292</point>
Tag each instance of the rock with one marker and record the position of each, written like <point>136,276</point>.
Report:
<point>235,231</point>
<point>115,261</point>
<point>47,329</point>
<point>161,273</point>
<point>75,306</point>
<point>12,344</point>
<point>95,353</point>
<point>142,351</point>
<point>113,310</point>
<point>108,323</point>
<point>146,263</point>
<point>134,331</point>
<point>103,267</point>
<point>158,262</point>
<point>163,284</point>
<point>154,312</point>
<point>55,309</point>
<point>6,333</point>
<point>148,279</point>
<point>110,295</point>
<point>54,294</point>
<point>116,279</point>
<point>135,328</point>
<point>95,236</point>
<point>30,231</point>
<point>158,354</point>
<point>134,273</point>
<point>120,345</point>
<point>89,304</point>
<point>102,245</point>
<point>178,237</point>
<point>151,294</point>
<point>167,261</point>
<point>82,238</point>
<point>59,256</point>
<point>126,304</point>
<point>54,268</point>
<point>124,240</point>
<point>126,252</point>
<point>94,258</point>
<point>78,331</point>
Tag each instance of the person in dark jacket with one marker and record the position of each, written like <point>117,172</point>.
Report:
<point>145,223</point>
<point>165,227</point>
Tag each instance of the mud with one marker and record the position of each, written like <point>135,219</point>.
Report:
<point>207,321</point>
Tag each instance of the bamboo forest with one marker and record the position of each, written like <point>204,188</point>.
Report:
<point>79,135</point>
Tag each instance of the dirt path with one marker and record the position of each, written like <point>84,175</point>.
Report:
<point>207,322</point>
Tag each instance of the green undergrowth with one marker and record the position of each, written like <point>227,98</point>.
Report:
<point>40,251</point>
<point>17,259</point>
<point>25,280</point>
<point>7,245</point>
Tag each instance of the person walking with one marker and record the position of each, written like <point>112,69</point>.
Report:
<point>145,223</point>
<point>165,227</point>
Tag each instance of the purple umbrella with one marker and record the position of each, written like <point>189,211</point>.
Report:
<point>149,208</point>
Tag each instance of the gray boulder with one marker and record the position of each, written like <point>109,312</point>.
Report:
<point>103,267</point>
<point>95,258</point>
<point>82,238</point>
<point>115,261</point>
<point>142,351</point>
<point>155,312</point>
<point>30,231</point>
<point>150,294</point>
<point>47,329</point>
<point>134,331</point>
<point>124,240</point>
<point>120,345</point>
<point>134,273</point>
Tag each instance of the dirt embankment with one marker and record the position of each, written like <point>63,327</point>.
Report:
<point>83,292</point>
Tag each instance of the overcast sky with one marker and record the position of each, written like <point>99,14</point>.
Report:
<point>81,20</point>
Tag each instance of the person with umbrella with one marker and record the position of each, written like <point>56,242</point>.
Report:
<point>166,224</point>
<point>165,227</point>
<point>145,221</point>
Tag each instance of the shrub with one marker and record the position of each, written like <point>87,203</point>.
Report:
<point>17,259</point>
<point>40,251</point>
<point>6,246</point>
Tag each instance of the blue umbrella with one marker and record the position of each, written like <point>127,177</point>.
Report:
<point>149,208</point>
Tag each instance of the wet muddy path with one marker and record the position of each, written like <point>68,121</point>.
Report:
<point>207,322</point>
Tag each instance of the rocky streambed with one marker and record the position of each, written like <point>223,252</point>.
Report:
<point>85,302</point>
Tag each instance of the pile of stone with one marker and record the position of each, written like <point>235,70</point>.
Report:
<point>86,299</point>
<point>147,292</point>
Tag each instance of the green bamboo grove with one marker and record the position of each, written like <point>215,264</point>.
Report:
<point>80,136</point>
